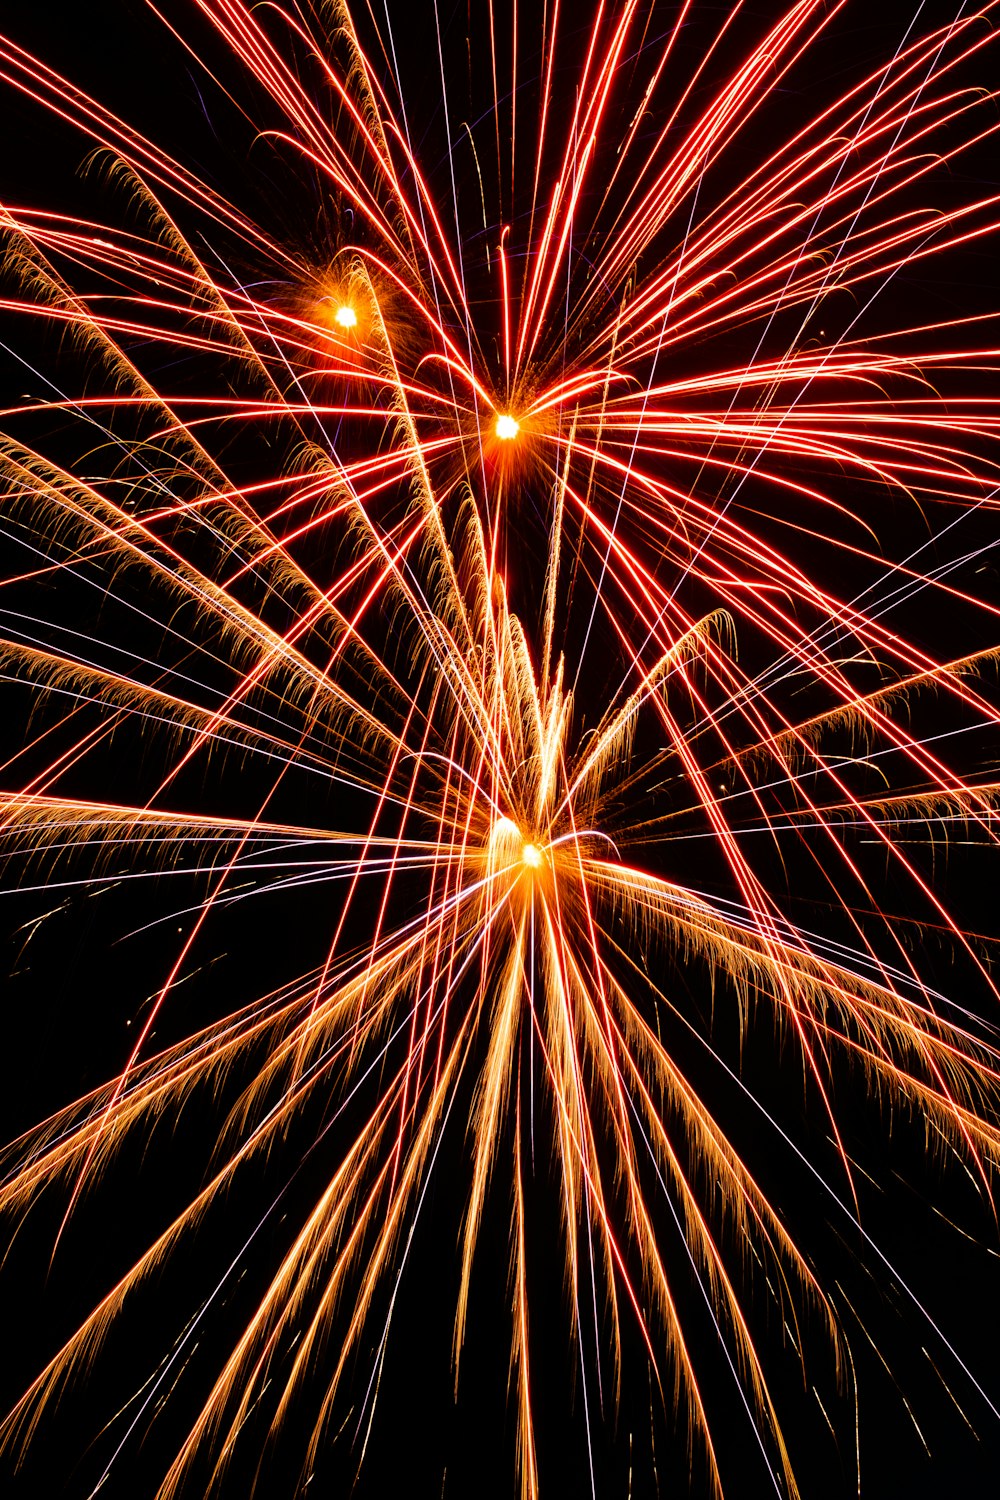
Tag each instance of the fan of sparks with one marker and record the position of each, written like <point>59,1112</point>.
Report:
<point>536,545</point>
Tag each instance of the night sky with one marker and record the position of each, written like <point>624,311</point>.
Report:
<point>916,1287</point>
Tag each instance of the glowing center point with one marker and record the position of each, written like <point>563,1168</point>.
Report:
<point>507,427</point>
<point>532,856</point>
<point>346,316</point>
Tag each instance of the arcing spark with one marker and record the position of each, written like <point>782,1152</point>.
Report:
<point>389,591</point>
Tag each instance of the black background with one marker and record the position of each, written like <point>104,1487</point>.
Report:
<point>75,984</point>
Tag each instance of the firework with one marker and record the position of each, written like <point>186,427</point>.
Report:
<point>502,608</point>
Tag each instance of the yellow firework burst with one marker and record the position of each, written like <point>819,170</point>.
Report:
<point>570,672</point>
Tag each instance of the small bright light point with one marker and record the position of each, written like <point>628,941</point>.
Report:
<point>346,316</point>
<point>532,856</point>
<point>507,427</point>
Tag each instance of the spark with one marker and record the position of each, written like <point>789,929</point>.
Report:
<point>307,586</point>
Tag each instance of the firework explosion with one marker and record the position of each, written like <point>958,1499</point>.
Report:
<point>527,605</point>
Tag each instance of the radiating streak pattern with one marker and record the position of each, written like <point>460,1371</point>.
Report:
<point>544,531</point>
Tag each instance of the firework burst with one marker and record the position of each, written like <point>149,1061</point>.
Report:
<point>506,605</point>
